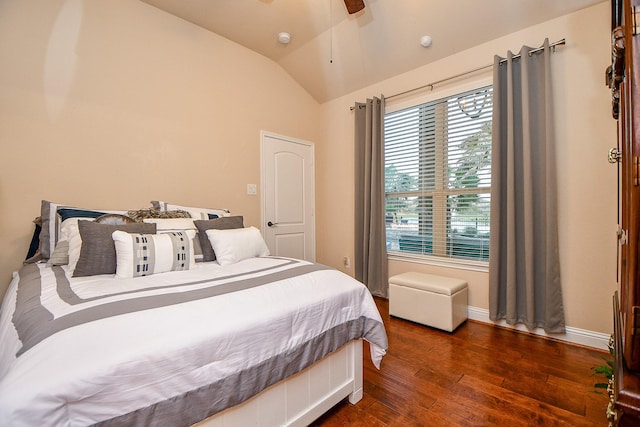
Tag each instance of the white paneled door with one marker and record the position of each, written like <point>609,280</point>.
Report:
<point>288,218</point>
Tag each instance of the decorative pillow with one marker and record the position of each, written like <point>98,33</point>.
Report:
<point>67,250</point>
<point>141,214</point>
<point>51,219</point>
<point>234,245</point>
<point>114,219</point>
<point>165,225</point>
<point>224,223</point>
<point>69,231</point>
<point>196,213</point>
<point>146,254</point>
<point>97,251</point>
<point>60,255</point>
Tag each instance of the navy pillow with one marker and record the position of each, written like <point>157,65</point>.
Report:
<point>35,242</point>
<point>66,213</point>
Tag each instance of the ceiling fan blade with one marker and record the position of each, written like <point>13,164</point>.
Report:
<point>354,6</point>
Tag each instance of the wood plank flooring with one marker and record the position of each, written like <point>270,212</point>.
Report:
<point>480,375</point>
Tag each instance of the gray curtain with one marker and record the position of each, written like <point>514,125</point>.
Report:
<point>524,267</point>
<point>370,261</point>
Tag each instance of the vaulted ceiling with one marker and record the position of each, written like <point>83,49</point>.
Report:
<point>332,53</point>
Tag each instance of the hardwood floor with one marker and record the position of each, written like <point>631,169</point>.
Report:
<point>480,375</point>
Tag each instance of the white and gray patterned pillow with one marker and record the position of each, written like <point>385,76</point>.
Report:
<point>195,212</point>
<point>166,225</point>
<point>146,254</point>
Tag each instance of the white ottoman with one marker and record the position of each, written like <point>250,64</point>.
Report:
<point>432,300</point>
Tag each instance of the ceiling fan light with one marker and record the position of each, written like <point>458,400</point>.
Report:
<point>354,6</point>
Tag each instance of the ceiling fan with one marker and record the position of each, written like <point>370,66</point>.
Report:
<point>354,6</point>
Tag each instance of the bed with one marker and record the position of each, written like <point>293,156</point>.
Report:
<point>250,340</point>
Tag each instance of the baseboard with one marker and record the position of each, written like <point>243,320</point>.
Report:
<point>573,335</point>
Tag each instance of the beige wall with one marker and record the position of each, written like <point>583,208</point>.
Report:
<point>110,104</point>
<point>587,183</point>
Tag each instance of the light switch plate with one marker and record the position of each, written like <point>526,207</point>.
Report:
<point>252,189</point>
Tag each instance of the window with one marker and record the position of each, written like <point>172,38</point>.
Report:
<point>438,177</point>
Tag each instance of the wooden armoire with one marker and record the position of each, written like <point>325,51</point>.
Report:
<point>623,77</point>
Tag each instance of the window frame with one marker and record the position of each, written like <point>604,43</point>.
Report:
<point>407,101</point>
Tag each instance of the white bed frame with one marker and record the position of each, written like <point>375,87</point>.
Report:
<point>303,397</point>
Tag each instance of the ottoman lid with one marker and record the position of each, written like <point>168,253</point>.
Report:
<point>429,282</point>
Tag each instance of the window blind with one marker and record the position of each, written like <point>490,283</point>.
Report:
<point>438,176</point>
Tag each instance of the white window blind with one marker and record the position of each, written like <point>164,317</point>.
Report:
<point>438,177</point>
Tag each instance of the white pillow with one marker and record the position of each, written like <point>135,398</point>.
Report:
<point>236,244</point>
<point>171,224</point>
<point>146,254</point>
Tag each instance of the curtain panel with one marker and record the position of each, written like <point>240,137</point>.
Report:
<point>524,266</point>
<point>370,258</point>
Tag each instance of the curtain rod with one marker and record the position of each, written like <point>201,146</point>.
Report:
<point>431,85</point>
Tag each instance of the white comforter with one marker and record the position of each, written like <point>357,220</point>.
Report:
<point>118,363</point>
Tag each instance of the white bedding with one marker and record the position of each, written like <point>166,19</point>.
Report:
<point>171,354</point>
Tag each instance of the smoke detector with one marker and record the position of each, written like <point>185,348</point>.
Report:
<point>284,37</point>
<point>426,41</point>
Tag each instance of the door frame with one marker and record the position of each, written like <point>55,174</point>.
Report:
<point>309,198</point>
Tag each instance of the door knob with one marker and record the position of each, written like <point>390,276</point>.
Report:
<point>271,224</point>
<point>615,155</point>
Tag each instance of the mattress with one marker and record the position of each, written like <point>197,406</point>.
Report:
<point>171,348</point>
